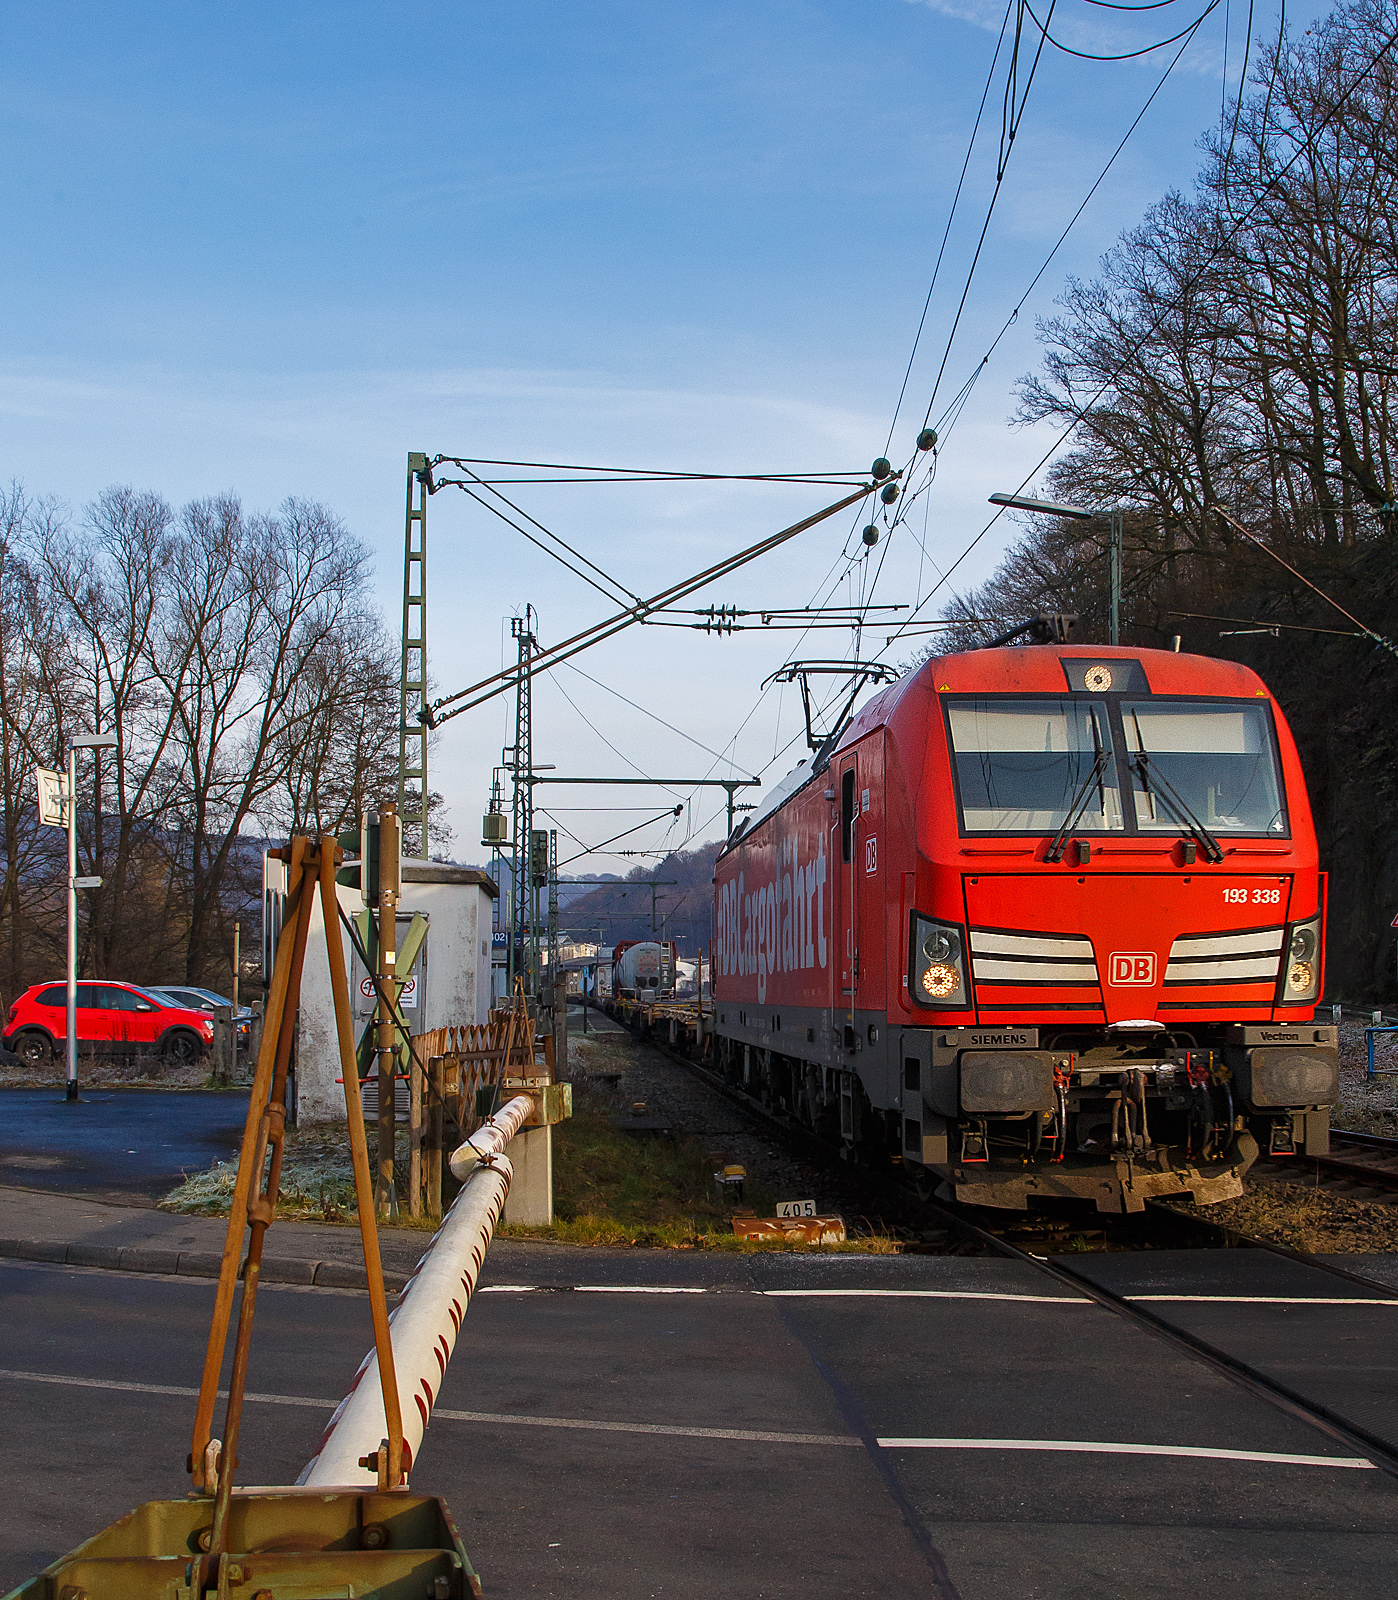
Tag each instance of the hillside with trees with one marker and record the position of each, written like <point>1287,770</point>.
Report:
<point>1239,352</point>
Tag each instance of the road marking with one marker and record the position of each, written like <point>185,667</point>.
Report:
<point>931,1294</point>
<point>1094,1447</point>
<point>743,1435</point>
<point>740,1435</point>
<point>924,1294</point>
<point>1265,1299</point>
<point>161,1388</point>
<point>633,1288</point>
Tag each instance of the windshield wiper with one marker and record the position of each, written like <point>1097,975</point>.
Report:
<point>1077,806</point>
<point>1188,822</point>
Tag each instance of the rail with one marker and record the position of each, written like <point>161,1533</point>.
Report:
<point>1379,1451</point>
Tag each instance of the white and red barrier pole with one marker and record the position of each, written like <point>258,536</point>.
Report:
<point>429,1315</point>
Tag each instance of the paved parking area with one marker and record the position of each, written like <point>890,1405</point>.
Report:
<point>119,1144</point>
<point>789,1426</point>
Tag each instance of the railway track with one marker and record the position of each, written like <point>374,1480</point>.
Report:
<point>1364,1167</point>
<point>1382,1452</point>
<point>1371,1172</point>
<point>1158,1227</point>
<point>1172,1248</point>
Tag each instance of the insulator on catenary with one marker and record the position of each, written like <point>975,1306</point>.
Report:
<point>889,493</point>
<point>881,469</point>
<point>871,535</point>
<point>927,438</point>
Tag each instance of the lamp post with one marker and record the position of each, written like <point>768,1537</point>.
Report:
<point>82,741</point>
<point>1051,508</point>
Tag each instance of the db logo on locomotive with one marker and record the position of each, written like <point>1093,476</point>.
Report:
<point>1131,969</point>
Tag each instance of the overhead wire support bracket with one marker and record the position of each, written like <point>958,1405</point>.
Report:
<point>1257,625</point>
<point>501,682</point>
<point>1379,639</point>
<point>835,478</point>
<point>723,620</point>
<point>732,785</point>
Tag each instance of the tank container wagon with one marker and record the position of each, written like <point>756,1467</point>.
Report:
<point>1047,922</point>
<point>644,970</point>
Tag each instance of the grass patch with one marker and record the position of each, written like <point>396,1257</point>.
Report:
<point>616,1188</point>
<point>610,1188</point>
<point>1305,1219</point>
<point>316,1185</point>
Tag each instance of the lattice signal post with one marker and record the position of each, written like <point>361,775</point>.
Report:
<point>412,725</point>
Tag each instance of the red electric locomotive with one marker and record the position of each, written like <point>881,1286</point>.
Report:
<point>1047,921</point>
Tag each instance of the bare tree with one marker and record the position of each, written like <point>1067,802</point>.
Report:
<point>256,602</point>
<point>35,689</point>
<point>240,663</point>
<point>1239,349</point>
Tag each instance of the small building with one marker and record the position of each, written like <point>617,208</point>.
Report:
<point>452,973</point>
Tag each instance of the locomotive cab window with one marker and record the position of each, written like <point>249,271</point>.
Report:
<point>1212,759</point>
<point>1029,766</point>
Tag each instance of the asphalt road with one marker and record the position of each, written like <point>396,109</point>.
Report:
<point>732,1441</point>
<point>120,1144</point>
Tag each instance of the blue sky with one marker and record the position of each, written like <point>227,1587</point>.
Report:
<point>274,247</point>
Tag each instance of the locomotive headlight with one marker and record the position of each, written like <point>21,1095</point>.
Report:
<point>937,975</point>
<point>940,980</point>
<point>1301,979</point>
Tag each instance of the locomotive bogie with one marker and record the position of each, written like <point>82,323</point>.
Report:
<point>1050,922</point>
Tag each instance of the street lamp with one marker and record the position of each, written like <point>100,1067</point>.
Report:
<point>82,741</point>
<point>1051,508</point>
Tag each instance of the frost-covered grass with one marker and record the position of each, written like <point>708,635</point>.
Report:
<point>1366,1106</point>
<point>610,1187</point>
<point>316,1183</point>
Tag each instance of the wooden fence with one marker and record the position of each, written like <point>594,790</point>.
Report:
<point>448,1067</point>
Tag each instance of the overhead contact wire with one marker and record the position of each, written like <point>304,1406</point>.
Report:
<point>951,217</point>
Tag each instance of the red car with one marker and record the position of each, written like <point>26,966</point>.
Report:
<point>113,1019</point>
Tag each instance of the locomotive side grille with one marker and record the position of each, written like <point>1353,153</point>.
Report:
<point>1251,956</point>
<point>1053,960</point>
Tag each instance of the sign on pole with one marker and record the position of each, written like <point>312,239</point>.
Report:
<point>407,993</point>
<point>52,812</point>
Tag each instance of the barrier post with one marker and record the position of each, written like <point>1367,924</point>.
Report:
<point>414,1132</point>
<point>436,1127</point>
<point>224,1045</point>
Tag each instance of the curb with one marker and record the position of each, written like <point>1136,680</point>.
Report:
<point>192,1263</point>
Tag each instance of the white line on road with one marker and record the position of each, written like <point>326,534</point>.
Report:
<point>740,1435</point>
<point>633,1288</point>
<point>160,1388</point>
<point>744,1435</point>
<point>1265,1299</point>
<point>930,1294</point>
<point>854,1294</point>
<point>490,1417</point>
<point>1093,1447</point>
